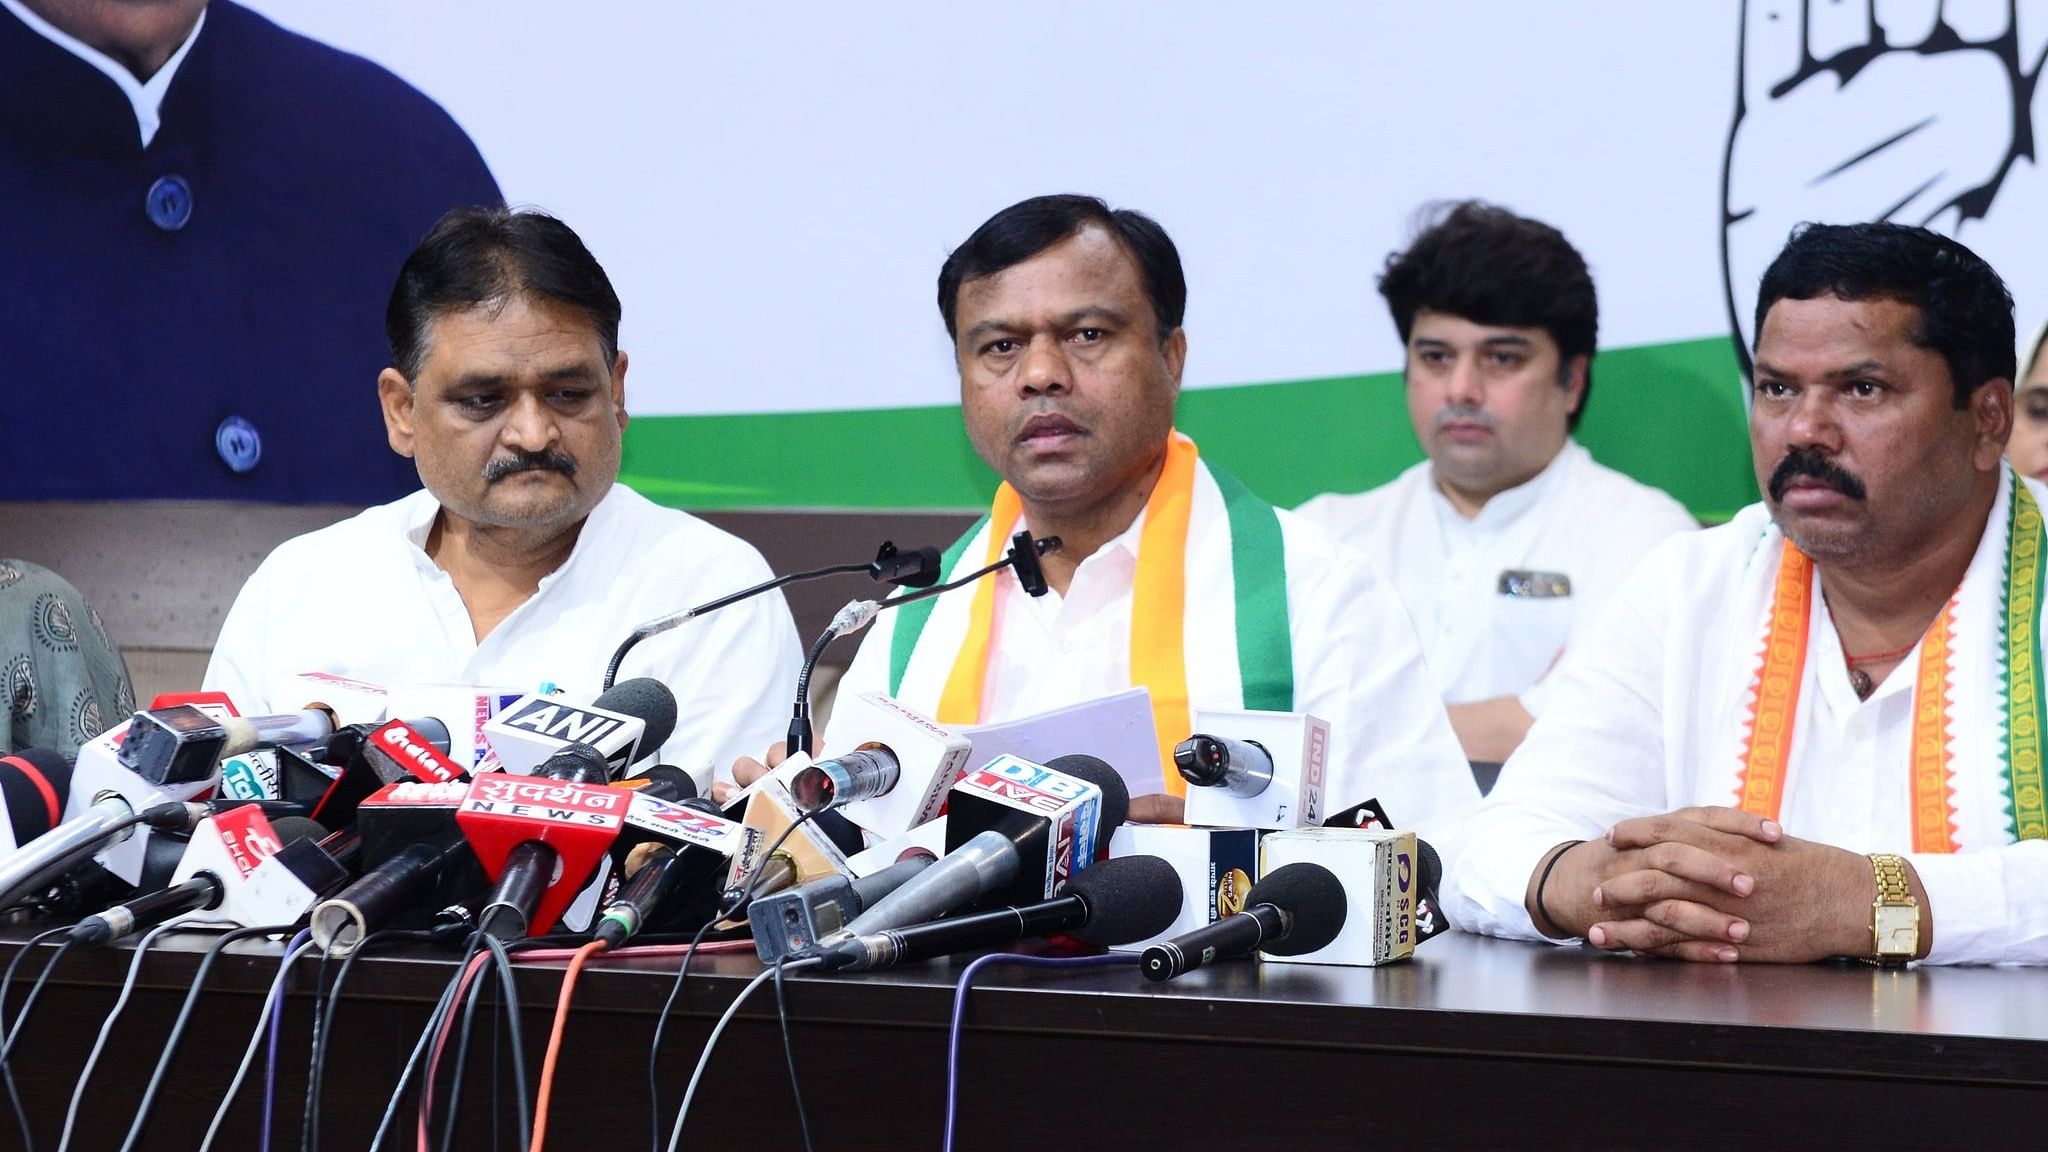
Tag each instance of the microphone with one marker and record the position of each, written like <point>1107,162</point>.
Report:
<point>540,838</point>
<point>226,851</point>
<point>788,922</point>
<point>35,784</point>
<point>919,568</point>
<point>1295,909</point>
<point>895,778</point>
<point>627,721</point>
<point>1115,902</point>
<point>1023,558</point>
<point>697,841</point>
<point>1429,868</point>
<point>332,777</point>
<point>1254,769</point>
<point>181,744</point>
<point>101,801</point>
<point>1241,768</point>
<point>1015,831</point>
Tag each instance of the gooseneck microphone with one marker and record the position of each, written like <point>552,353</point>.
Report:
<point>1117,901</point>
<point>1294,910</point>
<point>918,568</point>
<point>1022,557</point>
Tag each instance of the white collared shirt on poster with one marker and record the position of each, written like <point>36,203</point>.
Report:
<point>1575,519</point>
<point>1356,665</point>
<point>1640,725</point>
<point>145,96</point>
<point>362,599</point>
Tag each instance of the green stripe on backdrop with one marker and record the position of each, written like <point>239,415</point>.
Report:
<point>1668,414</point>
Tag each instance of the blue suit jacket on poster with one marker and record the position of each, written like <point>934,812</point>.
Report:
<point>233,275</point>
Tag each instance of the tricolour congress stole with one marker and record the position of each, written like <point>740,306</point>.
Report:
<point>1977,692</point>
<point>1208,608</point>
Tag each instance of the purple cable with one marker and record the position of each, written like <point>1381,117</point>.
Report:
<point>277,1026</point>
<point>960,1008</point>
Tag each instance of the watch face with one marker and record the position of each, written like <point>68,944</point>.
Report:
<point>1898,930</point>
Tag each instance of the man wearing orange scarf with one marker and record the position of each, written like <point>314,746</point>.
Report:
<point>1066,322</point>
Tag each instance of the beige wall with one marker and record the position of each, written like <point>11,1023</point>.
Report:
<point>163,574</point>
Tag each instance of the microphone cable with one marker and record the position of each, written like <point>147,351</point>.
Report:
<point>8,1031</point>
<point>547,1063</point>
<point>661,1023</point>
<point>967,976</point>
<point>788,1054</point>
<point>704,1059</point>
<point>107,1029</point>
<point>309,1135</point>
<point>298,947</point>
<point>433,1021</point>
<point>277,1028</point>
<point>177,1032</point>
<point>466,981</point>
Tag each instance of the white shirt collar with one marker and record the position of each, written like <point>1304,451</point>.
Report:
<point>147,98</point>
<point>1508,505</point>
<point>418,511</point>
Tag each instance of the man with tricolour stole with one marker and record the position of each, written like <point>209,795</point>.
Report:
<point>1816,730</point>
<point>1066,321</point>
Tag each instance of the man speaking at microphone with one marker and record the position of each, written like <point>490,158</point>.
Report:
<point>1066,322</point>
<point>522,560</point>
<point>1816,730</point>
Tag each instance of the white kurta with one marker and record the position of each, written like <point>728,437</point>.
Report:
<point>1356,661</point>
<point>1575,518</point>
<point>362,599</point>
<point>1648,717</point>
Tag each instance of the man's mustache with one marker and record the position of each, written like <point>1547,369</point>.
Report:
<point>1808,462</point>
<point>1464,414</point>
<point>548,460</point>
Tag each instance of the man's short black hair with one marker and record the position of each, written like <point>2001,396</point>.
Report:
<point>1028,227</point>
<point>1485,264</point>
<point>474,257</point>
<point>1965,309</point>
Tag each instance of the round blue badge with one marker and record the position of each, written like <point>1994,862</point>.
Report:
<point>239,444</point>
<point>169,203</point>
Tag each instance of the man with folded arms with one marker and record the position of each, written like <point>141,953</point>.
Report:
<point>1066,323</point>
<point>1816,730</point>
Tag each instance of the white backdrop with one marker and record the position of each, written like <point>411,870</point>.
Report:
<point>773,187</point>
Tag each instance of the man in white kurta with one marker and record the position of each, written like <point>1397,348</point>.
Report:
<point>1353,659</point>
<point>1509,537</point>
<point>522,562</point>
<point>1491,621</point>
<point>1851,668</point>
<point>1066,318</point>
<point>362,599</point>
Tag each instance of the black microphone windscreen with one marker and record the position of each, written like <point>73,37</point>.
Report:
<point>35,784</point>
<point>677,785</point>
<point>1429,868</point>
<point>292,829</point>
<point>650,700</point>
<point>919,569</point>
<point>1316,898</point>
<point>1129,898</point>
<point>1116,798</point>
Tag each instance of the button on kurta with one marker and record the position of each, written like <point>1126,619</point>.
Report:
<point>169,203</point>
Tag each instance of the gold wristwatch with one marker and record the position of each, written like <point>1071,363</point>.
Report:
<point>1894,915</point>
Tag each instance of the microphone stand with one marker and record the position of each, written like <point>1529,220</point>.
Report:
<point>917,569</point>
<point>1023,557</point>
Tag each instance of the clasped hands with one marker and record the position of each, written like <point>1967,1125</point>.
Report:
<point>1711,884</point>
